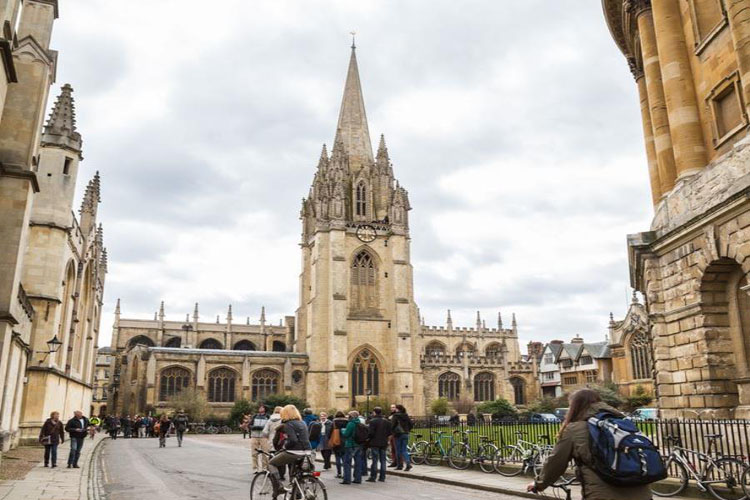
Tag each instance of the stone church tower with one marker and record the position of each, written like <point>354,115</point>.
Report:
<point>357,318</point>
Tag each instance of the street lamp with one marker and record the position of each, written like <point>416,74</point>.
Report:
<point>368,392</point>
<point>53,345</point>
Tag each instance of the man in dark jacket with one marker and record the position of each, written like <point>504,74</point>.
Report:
<point>180,424</point>
<point>77,428</point>
<point>379,432</point>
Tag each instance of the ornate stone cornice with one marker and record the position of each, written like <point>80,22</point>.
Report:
<point>636,7</point>
<point>635,69</point>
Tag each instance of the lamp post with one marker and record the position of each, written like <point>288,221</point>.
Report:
<point>368,392</point>
<point>53,345</point>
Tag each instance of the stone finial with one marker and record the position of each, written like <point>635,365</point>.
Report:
<point>479,321</point>
<point>229,314</point>
<point>323,161</point>
<point>611,319</point>
<point>117,309</point>
<point>155,313</point>
<point>217,319</point>
<point>195,313</point>
<point>263,315</point>
<point>103,262</point>
<point>635,297</point>
<point>449,321</point>
<point>187,318</point>
<point>161,310</point>
<point>499,321</point>
<point>60,129</point>
<point>382,158</point>
<point>92,196</point>
<point>248,321</point>
<point>513,322</point>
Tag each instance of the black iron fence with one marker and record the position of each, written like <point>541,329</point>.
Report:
<point>734,440</point>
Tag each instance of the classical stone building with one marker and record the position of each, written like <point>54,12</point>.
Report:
<point>100,388</point>
<point>691,63</point>
<point>357,332</point>
<point>52,265</point>
<point>632,350</point>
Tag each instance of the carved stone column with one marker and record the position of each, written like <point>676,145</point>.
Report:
<point>648,134</point>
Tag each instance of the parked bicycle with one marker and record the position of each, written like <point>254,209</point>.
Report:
<point>304,481</point>
<point>433,452</point>
<point>721,476</point>
<point>525,453</point>
<point>461,455</point>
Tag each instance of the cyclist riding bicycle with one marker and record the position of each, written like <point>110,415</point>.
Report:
<point>573,443</point>
<point>296,445</point>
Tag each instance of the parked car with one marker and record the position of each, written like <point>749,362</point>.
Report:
<point>560,413</point>
<point>645,414</point>
<point>543,417</point>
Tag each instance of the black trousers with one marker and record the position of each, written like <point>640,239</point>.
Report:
<point>326,458</point>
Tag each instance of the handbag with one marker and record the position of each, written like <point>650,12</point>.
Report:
<point>335,440</point>
<point>46,440</point>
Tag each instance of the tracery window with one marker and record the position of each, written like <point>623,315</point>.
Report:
<point>140,340</point>
<point>364,286</point>
<point>265,383</point>
<point>449,386</point>
<point>210,344</point>
<point>221,384</point>
<point>640,355</point>
<point>435,349</point>
<point>173,342</point>
<point>493,350</point>
<point>519,390</point>
<point>361,199</point>
<point>244,345</point>
<point>365,374</point>
<point>484,387</point>
<point>172,381</point>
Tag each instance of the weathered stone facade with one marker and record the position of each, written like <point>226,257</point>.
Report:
<point>631,349</point>
<point>53,266</point>
<point>691,266</point>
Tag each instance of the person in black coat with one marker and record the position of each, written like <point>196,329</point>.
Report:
<point>77,428</point>
<point>379,432</point>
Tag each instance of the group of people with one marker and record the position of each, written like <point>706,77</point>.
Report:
<point>147,426</point>
<point>52,435</point>
<point>358,443</point>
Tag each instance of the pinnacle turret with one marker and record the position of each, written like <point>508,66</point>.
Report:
<point>60,129</point>
<point>92,196</point>
<point>103,262</point>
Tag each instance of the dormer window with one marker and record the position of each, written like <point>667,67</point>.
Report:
<point>586,360</point>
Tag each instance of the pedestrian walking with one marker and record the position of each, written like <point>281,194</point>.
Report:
<point>392,441</point>
<point>51,435</point>
<point>113,426</point>
<point>573,443</point>
<point>295,444</point>
<point>326,428</point>
<point>471,419</point>
<point>401,427</point>
<point>127,426</point>
<point>315,430</point>
<point>258,422</point>
<point>337,441</point>
<point>76,427</point>
<point>379,432</point>
<point>245,425</point>
<point>164,426</point>
<point>181,422</point>
<point>353,441</point>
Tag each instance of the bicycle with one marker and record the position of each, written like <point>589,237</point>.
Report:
<point>544,449</point>
<point>433,452</point>
<point>719,475</point>
<point>304,481</point>
<point>524,452</point>
<point>410,448</point>
<point>461,456</point>
<point>562,484</point>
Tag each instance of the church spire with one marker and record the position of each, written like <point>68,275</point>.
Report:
<point>352,126</point>
<point>60,129</point>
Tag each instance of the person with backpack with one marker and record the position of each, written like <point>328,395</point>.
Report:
<point>589,415</point>
<point>315,428</point>
<point>379,432</point>
<point>296,443</point>
<point>401,427</point>
<point>180,423</point>
<point>257,441</point>
<point>355,436</point>
<point>337,441</point>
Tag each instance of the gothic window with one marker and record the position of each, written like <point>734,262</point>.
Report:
<point>449,386</point>
<point>221,385</point>
<point>173,342</point>
<point>210,344</point>
<point>265,383</point>
<point>363,282</point>
<point>464,347</point>
<point>244,345</point>
<point>484,387</point>
<point>566,363</point>
<point>278,346</point>
<point>640,355</point>
<point>365,374</point>
<point>140,340</point>
<point>493,350</point>
<point>586,360</point>
<point>435,349</point>
<point>172,381</point>
<point>361,199</point>
<point>519,390</point>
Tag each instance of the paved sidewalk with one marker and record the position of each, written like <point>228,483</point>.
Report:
<point>476,479</point>
<point>59,483</point>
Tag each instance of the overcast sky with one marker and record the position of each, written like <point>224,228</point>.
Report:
<point>514,126</point>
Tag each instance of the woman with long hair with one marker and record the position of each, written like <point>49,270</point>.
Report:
<point>50,436</point>
<point>573,444</point>
<point>296,444</point>
<point>401,425</point>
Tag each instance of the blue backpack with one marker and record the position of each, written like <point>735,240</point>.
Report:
<point>622,455</point>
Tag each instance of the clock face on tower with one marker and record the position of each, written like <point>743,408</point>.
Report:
<point>366,233</point>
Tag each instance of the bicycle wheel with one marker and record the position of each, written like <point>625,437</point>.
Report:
<point>725,475</point>
<point>420,452</point>
<point>261,488</point>
<point>675,483</point>
<point>226,430</point>
<point>486,457</point>
<point>200,430</point>
<point>460,456</point>
<point>745,481</point>
<point>509,461</point>
<point>211,429</point>
<point>433,455</point>
<point>309,488</point>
